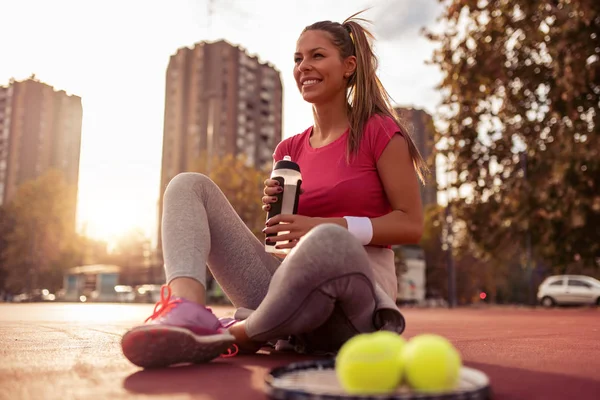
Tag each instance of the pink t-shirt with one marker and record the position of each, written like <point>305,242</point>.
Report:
<point>332,187</point>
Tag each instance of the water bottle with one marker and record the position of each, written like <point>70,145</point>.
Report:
<point>287,173</point>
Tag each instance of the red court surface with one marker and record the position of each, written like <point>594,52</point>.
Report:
<point>71,351</point>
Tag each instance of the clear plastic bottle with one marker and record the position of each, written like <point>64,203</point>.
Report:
<point>287,173</point>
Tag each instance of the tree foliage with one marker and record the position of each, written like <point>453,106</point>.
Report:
<point>94,251</point>
<point>474,271</point>
<point>132,249</point>
<point>521,103</point>
<point>436,259</point>
<point>242,184</point>
<point>7,224</point>
<point>134,254</point>
<point>41,241</point>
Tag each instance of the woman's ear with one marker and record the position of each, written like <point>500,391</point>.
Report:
<point>350,66</point>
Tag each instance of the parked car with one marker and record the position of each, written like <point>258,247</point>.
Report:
<point>569,290</point>
<point>147,293</point>
<point>36,295</point>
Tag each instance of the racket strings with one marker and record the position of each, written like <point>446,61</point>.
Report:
<point>318,380</point>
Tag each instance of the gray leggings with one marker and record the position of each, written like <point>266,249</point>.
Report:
<point>323,293</point>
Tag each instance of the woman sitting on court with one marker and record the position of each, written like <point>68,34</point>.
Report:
<point>360,171</point>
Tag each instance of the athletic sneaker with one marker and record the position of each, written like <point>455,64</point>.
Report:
<point>178,331</point>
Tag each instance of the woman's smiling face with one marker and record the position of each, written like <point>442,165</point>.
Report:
<point>319,71</point>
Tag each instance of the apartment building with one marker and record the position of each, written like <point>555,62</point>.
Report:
<point>40,129</point>
<point>218,100</point>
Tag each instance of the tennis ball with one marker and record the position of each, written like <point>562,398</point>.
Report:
<point>371,363</point>
<point>432,363</point>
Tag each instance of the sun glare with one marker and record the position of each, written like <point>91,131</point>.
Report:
<point>109,219</point>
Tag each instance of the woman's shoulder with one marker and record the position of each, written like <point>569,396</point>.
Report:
<point>378,132</point>
<point>290,145</point>
<point>381,123</point>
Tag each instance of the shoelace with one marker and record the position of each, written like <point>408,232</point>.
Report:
<point>236,350</point>
<point>164,304</point>
<point>231,353</point>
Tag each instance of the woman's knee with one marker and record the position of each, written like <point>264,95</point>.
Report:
<point>187,181</point>
<point>331,250</point>
<point>331,238</point>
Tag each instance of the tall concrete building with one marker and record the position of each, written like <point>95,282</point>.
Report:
<point>218,100</point>
<point>40,129</point>
<point>422,128</point>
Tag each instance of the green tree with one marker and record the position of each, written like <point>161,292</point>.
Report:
<point>132,253</point>
<point>474,271</point>
<point>435,256</point>
<point>242,184</point>
<point>6,227</point>
<point>521,103</point>
<point>94,251</point>
<point>40,245</point>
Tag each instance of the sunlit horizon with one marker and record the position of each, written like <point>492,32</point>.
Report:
<point>114,56</point>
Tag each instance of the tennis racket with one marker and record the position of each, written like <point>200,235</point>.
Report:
<point>311,380</point>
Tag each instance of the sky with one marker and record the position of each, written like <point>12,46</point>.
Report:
<point>114,54</point>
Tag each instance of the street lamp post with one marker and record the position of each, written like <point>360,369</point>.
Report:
<point>451,269</point>
<point>448,238</point>
<point>528,265</point>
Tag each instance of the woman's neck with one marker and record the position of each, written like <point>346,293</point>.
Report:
<point>331,121</point>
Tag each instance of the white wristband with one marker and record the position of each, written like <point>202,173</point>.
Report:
<point>361,228</point>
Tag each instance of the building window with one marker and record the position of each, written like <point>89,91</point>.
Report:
<point>265,96</point>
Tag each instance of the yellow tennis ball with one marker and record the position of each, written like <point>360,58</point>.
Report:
<point>371,363</point>
<point>432,363</point>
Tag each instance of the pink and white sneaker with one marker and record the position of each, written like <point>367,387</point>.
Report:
<point>179,331</point>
